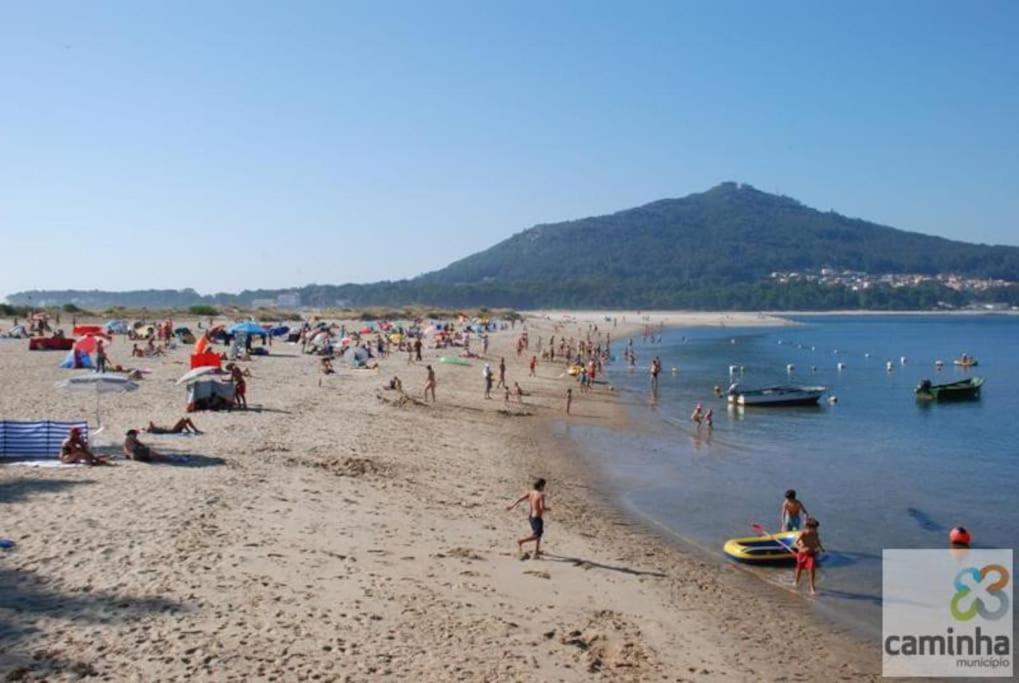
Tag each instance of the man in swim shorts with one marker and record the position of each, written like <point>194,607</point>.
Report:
<point>536,500</point>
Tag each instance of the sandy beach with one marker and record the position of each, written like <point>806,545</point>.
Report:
<point>340,533</point>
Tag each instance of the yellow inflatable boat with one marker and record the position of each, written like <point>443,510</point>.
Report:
<point>762,549</point>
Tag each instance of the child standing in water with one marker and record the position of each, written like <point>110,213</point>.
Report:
<point>808,546</point>
<point>536,500</point>
<point>792,512</point>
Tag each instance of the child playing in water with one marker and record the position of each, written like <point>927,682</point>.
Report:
<point>808,545</point>
<point>792,509</point>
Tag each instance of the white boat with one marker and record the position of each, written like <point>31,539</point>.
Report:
<point>785,395</point>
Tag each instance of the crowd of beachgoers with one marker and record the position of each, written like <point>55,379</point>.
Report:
<point>340,499</point>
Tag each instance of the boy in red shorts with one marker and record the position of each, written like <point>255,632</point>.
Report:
<point>808,547</point>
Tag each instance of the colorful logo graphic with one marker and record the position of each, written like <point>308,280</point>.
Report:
<point>980,590</point>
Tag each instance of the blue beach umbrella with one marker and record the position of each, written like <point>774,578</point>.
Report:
<point>247,327</point>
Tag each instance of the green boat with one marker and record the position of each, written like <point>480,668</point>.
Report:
<point>954,391</point>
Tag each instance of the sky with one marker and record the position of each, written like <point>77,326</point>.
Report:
<point>234,145</point>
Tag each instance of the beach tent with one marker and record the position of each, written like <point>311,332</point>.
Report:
<point>116,327</point>
<point>76,359</point>
<point>356,357</point>
<point>206,393</point>
<point>279,331</point>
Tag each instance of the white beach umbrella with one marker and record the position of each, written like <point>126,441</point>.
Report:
<point>99,383</point>
<point>195,373</point>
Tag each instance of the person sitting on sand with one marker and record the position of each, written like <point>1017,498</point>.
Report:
<point>536,501</point>
<point>808,546</point>
<point>74,450</point>
<point>136,450</point>
<point>518,392</point>
<point>136,352</point>
<point>394,385</point>
<point>182,426</point>
<point>792,509</point>
<point>327,367</point>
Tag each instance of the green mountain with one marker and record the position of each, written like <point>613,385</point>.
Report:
<point>711,250</point>
<point>731,233</point>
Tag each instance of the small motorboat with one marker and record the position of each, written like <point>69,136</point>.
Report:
<point>966,361</point>
<point>953,391</point>
<point>784,395</point>
<point>767,549</point>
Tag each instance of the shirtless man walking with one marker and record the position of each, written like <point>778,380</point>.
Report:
<point>536,501</point>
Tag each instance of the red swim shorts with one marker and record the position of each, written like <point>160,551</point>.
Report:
<point>805,559</point>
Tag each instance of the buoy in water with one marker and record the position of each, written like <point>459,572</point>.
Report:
<point>675,370</point>
<point>902,360</point>
<point>889,366</point>
<point>866,355</point>
<point>959,536</point>
<point>841,366</point>
<point>790,367</point>
<point>833,400</point>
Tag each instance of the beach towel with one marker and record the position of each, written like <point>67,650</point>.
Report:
<point>40,464</point>
<point>20,440</point>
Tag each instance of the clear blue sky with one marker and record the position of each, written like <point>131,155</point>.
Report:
<point>253,144</point>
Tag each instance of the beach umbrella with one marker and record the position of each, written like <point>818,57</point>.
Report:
<point>279,331</point>
<point>99,383</point>
<point>87,344</point>
<point>194,374</point>
<point>247,327</point>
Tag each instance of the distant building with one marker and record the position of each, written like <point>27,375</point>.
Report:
<point>291,300</point>
<point>263,303</point>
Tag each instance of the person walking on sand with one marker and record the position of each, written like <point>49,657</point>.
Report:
<point>536,502</point>
<point>502,374</point>
<point>808,547</point>
<point>792,512</point>
<point>100,356</point>
<point>430,383</point>
<point>533,366</point>
<point>486,373</point>
<point>569,400</point>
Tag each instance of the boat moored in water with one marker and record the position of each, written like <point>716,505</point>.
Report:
<point>783,395</point>
<point>958,391</point>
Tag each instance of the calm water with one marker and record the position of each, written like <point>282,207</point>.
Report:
<point>878,469</point>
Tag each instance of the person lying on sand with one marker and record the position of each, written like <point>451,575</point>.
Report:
<point>136,450</point>
<point>73,450</point>
<point>182,426</point>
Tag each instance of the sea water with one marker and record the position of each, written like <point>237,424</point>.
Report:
<point>878,468</point>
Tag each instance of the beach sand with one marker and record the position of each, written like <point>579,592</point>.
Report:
<point>340,534</point>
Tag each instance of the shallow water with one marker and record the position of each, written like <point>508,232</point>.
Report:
<point>878,469</point>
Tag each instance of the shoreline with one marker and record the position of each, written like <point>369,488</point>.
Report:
<point>338,534</point>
